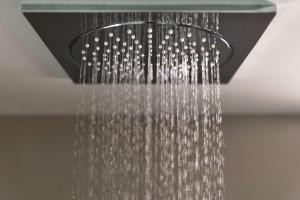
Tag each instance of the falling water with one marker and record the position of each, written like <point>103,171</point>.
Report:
<point>149,117</point>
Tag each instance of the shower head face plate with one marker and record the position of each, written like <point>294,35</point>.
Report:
<point>61,29</point>
<point>148,47</point>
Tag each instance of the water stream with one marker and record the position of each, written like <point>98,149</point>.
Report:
<point>149,117</point>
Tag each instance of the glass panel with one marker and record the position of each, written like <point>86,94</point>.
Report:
<point>231,6</point>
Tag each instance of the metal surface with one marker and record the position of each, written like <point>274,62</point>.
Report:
<point>241,29</point>
<point>198,28</point>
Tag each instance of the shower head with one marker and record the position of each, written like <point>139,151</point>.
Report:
<point>67,28</point>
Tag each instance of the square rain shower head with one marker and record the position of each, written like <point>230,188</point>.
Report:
<point>241,25</point>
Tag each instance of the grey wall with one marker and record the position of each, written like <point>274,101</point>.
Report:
<point>262,157</point>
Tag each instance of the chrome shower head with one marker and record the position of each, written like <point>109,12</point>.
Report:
<point>59,26</point>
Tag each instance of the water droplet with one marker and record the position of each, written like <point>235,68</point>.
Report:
<point>206,161</point>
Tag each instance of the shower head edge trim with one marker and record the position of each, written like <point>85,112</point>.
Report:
<point>85,8</point>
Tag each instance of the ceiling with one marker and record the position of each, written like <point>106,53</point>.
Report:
<point>33,83</point>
